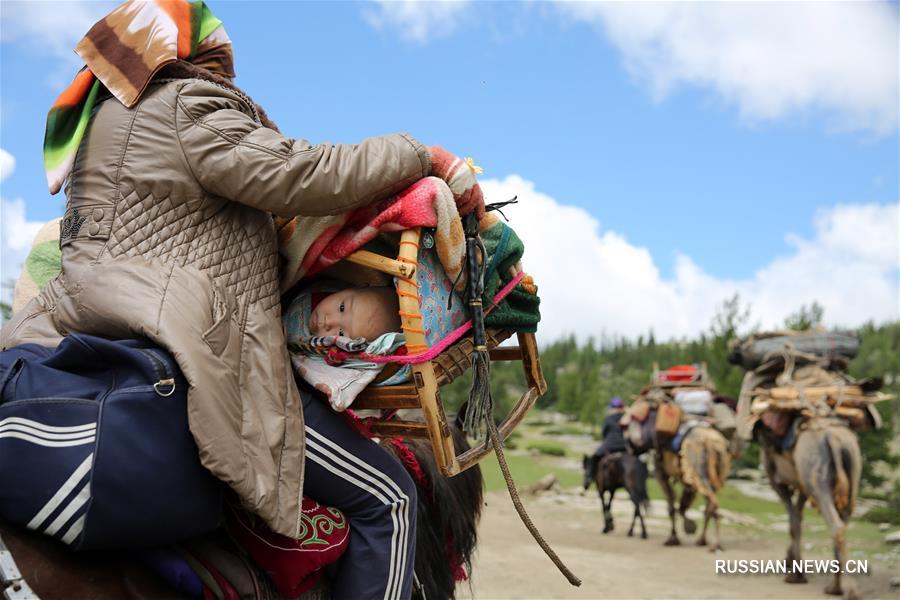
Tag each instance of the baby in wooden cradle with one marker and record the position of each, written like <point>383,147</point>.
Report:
<point>355,312</point>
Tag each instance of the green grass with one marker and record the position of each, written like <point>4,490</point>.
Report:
<point>729,498</point>
<point>536,419</point>
<point>549,447</point>
<point>732,499</point>
<point>525,471</point>
<point>569,429</point>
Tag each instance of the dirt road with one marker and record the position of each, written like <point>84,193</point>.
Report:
<point>511,565</point>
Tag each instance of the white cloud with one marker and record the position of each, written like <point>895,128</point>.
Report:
<point>16,236</point>
<point>415,20</point>
<point>52,29</point>
<point>593,281</point>
<point>771,59</point>
<point>16,233</point>
<point>7,164</point>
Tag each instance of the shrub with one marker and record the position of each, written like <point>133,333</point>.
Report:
<point>882,514</point>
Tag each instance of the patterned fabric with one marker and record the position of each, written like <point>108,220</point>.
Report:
<point>442,308</point>
<point>324,344</point>
<point>294,565</point>
<point>122,52</point>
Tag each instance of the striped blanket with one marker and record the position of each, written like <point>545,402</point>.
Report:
<point>310,244</point>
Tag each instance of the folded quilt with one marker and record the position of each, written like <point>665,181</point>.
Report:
<point>520,309</point>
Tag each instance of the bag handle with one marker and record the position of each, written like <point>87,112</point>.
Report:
<point>10,373</point>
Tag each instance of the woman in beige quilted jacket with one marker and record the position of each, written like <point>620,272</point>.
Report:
<point>172,177</point>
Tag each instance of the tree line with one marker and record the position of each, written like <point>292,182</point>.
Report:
<point>584,376</point>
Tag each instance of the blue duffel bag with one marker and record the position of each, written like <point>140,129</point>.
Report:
<point>95,448</point>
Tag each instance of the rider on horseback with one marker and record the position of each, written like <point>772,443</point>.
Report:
<point>612,467</point>
<point>613,440</point>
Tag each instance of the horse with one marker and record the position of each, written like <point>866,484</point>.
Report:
<point>825,466</point>
<point>701,466</point>
<point>448,511</point>
<point>614,471</point>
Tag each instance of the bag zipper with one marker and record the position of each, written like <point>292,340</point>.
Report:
<point>162,371</point>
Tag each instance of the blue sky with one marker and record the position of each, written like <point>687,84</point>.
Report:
<point>697,139</point>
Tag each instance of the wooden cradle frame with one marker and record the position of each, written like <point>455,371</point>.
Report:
<point>423,392</point>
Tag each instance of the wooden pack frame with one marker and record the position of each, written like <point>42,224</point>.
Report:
<point>423,392</point>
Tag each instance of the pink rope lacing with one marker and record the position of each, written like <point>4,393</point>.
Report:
<point>431,353</point>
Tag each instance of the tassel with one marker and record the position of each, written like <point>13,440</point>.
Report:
<point>479,419</point>
<point>481,403</point>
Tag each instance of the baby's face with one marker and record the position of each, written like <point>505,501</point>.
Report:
<point>356,312</point>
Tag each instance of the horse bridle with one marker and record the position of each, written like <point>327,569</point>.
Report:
<point>12,584</point>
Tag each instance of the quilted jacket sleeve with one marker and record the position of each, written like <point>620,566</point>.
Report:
<point>233,156</point>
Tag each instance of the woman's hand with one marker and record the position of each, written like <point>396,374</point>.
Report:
<point>460,178</point>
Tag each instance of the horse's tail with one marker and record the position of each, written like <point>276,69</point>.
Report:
<point>640,485</point>
<point>705,461</point>
<point>719,461</point>
<point>844,494</point>
<point>712,469</point>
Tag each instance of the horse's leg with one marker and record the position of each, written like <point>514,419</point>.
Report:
<point>687,497</point>
<point>643,529</point>
<point>602,494</point>
<point>795,513</point>
<point>839,536</point>
<point>670,501</point>
<point>634,518</point>
<point>701,541</point>
<point>636,500</point>
<point>712,512</point>
<point>609,525</point>
<point>718,547</point>
<point>636,484</point>
<point>795,517</point>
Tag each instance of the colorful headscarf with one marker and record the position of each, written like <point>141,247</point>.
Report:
<point>123,51</point>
